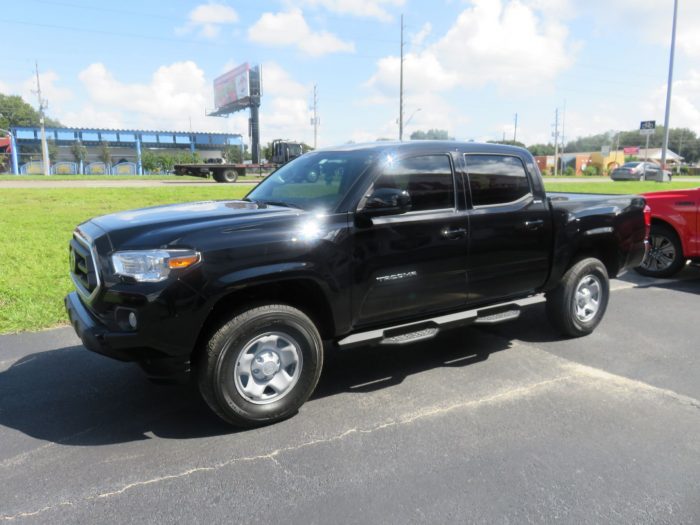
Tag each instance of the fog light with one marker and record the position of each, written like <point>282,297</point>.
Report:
<point>132,320</point>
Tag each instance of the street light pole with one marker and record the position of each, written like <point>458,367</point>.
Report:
<point>408,120</point>
<point>44,146</point>
<point>670,86</point>
<point>401,87</point>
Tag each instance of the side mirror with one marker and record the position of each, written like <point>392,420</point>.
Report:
<point>387,201</point>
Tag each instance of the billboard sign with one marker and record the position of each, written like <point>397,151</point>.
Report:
<point>232,87</point>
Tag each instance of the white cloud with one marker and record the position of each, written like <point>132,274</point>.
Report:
<point>418,38</point>
<point>179,93</point>
<point>290,29</point>
<point>361,8</point>
<point>685,102</point>
<point>207,19</point>
<point>501,43</point>
<point>653,19</point>
<point>285,105</point>
<point>50,89</point>
<point>175,94</point>
<point>506,44</point>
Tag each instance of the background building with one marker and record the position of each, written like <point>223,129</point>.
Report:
<point>115,151</point>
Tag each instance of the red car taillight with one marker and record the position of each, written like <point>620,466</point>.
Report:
<point>647,221</point>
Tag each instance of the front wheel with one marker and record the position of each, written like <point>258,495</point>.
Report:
<point>261,365</point>
<point>665,256</point>
<point>578,304</point>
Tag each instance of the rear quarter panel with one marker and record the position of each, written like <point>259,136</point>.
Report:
<point>679,209</point>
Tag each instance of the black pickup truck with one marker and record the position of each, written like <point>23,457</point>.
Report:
<point>381,244</point>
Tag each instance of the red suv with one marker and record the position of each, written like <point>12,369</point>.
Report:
<point>675,232</point>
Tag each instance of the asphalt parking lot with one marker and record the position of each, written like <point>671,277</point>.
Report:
<point>505,424</point>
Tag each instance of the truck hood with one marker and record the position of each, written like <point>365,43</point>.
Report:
<point>161,225</point>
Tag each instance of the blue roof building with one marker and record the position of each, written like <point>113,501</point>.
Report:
<point>126,142</point>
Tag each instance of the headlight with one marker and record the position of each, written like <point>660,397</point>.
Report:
<point>152,266</point>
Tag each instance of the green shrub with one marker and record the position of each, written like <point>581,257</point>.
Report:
<point>591,171</point>
<point>569,171</point>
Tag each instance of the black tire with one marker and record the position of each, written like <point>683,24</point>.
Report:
<point>563,304</point>
<point>229,176</point>
<point>218,372</point>
<point>665,257</point>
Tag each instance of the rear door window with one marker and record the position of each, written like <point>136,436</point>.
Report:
<point>496,179</point>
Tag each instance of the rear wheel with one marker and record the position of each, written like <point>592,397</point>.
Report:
<point>227,176</point>
<point>578,304</point>
<point>261,365</point>
<point>665,256</point>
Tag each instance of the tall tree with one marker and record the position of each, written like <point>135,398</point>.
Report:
<point>16,112</point>
<point>541,149</point>
<point>79,151</point>
<point>105,153</point>
<point>431,134</point>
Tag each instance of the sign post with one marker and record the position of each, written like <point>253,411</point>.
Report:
<point>647,128</point>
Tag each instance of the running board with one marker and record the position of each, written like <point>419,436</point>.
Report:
<point>429,328</point>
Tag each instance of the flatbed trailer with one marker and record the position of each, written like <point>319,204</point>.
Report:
<point>223,172</point>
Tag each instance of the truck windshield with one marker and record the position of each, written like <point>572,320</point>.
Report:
<point>316,180</point>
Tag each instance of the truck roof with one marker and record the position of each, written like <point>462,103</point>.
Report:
<point>421,145</point>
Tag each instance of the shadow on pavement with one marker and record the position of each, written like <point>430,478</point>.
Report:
<point>687,280</point>
<point>73,397</point>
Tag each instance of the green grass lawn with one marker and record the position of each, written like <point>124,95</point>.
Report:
<point>112,177</point>
<point>36,225</point>
<point>35,228</point>
<point>620,187</point>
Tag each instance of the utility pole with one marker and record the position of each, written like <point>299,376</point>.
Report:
<point>314,120</point>
<point>670,86</point>
<point>401,87</point>
<point>556,141</point>
<point>680,154</point>
<point>515,129</point>
<point>42,105</point>
<point>563,123</point>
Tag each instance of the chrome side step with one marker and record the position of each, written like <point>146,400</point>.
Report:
<point>499,317</point>
<point>429,328</point>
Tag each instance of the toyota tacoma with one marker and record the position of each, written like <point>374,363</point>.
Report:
<point>381,244</point>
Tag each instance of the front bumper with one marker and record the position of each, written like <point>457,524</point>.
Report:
<point>124,346</point>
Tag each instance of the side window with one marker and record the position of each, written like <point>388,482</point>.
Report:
<point>496,179</point>
<point>427,179</point>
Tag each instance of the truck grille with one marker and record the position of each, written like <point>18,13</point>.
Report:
<point>83,269</point>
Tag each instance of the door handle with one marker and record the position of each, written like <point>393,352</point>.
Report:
<point>534,225</point>
<point>452,234</point>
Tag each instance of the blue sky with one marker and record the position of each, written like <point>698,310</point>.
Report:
<point>470,65</point>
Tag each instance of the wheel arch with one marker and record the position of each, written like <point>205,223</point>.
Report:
<point>303,293</point>
<point>658,221</point>
<point>605,249</point>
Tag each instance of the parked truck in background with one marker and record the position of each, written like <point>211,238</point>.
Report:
<point>282,151</point>
<point>360,245</point>
<point>675,232</point>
